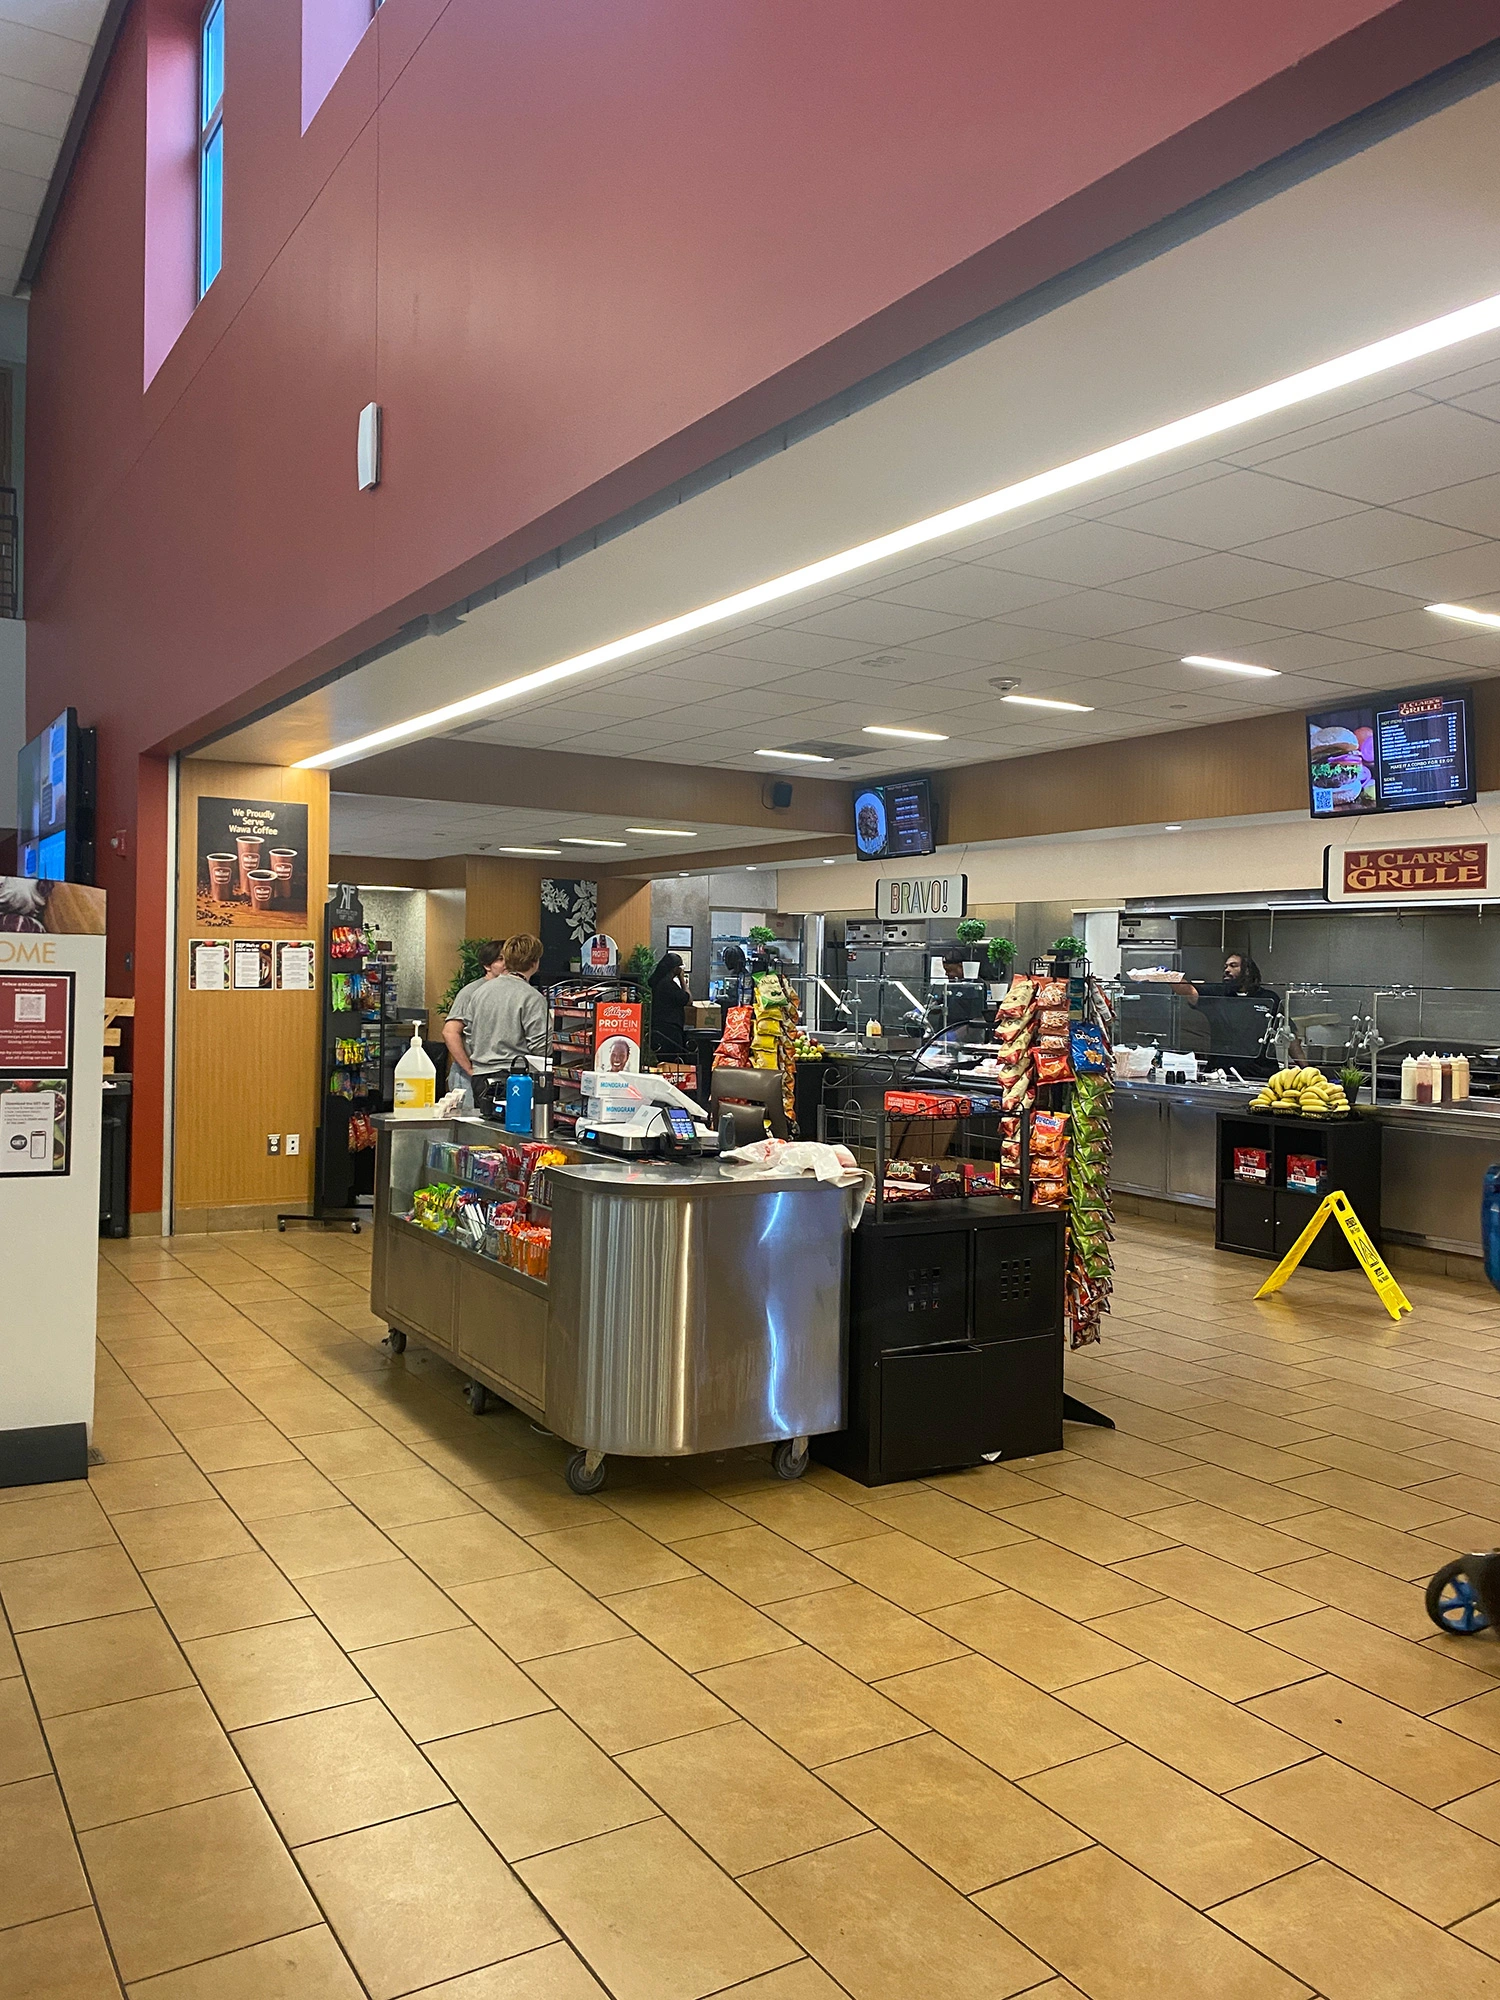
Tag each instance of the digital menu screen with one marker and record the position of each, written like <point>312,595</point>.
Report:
<point>43,781</point>
<point>894,821</point>
<point>1396,753</point>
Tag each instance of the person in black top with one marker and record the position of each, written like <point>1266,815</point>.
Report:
<point>669,1005</point>
<point>1240,1014</point>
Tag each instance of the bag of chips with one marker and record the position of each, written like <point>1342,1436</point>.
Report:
<point>1053,1066</point>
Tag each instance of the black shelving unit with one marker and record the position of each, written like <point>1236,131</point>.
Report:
<point>1264,1219</point>
<point>343,1181</point>
<point>572,1038</point>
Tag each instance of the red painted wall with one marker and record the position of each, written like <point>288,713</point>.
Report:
<point>575,251</point>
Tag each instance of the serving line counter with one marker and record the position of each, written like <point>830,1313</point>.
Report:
<point>1432,1159</point>
<point>688,1307</point>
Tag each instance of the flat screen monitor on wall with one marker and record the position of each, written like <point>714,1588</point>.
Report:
<point>893,822</point>
<point>1396,752</point>
<point>55,803</point>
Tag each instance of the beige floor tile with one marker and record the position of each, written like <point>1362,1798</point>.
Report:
<point>318,1544</point>
<point>1179,1833</point>
<point>759,1566</point>
<point>449,1682</point>
<point>401,1499</point>
<point>888,1928</point>
<point>233,1884</point>
<point>538,1612</point>
<point>907,1571</point>
<point>467,1548</point>
<point>673,1512</point>
<point>52,1525</point>
<point>273,1671</point>
<point>59,1958</point>
<point>176,1378</point>
<point>1058,1578</point>
<point>1198,1648</point>
<point>337,1453</point>
<point>700,1624</point>
<point>229,1447</point>
<point>306,1965</point>
<point>1478,1719</point>
<point>991,1486</point>
<point>654,1917</point>
<point>336,1770</point>
<point>538,1783</point>
<point>198,1531</point>
<point>803,1515</point>
<point>867,1634</point>
<point>209,1409</point>
<point>1387,1743</point>
<point>1443,1872</point>
<point>1206,1739</point>
<point>1087,1531</point>
<point>1106,1486</point>
<point>810,1706</point>
<point>539,1505</point>
<point>265,1492</point>
<point>40,1875</point>
<point>101,1660</point>
<point>1247,1544</point>
<point>10,1659</point>
<point>143,1756</point>
<point>1351,1943</point>
<point>62,1590</point>
<point>1233,1493</point>
<point>1364,1593</point>
<point>626,1695</point>
<point>1388,1549</point>
<point>611,1555</point>
<point>380,1602</point>
<point>1233,1595</point>
<point>1480,1812</point>
<point>1379,1662</point>
<point>943,1522</point>
<point>121,1437</point>
<point>964,1820</point>
<point>448,1903</point>
<point>554,1972</point>
<point>742,1799</point>
<point>1118,1935</point>
<point>23,1754</point>
<point>227,1595</point>
<point>1371,1501</point>
<point>169,1481</point>
<point>1249,1423</point>
<point>999,1718</point>
<point>1039,1644</point>
<point>1260,1462</point>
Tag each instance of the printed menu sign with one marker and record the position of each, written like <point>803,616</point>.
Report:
<point>208,965</point>
<point>252,865</point>
<point>252,965</point>
<point>35,1019</point>
<point>294,966</point>
<point>33,1125</point>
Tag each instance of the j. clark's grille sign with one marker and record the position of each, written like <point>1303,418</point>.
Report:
<point>1450,870</point>
<point>898,896</point>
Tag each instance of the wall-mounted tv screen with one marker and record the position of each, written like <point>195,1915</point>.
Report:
<point>893,822</point>
<point>1392,753</point>
<point>55,803</point>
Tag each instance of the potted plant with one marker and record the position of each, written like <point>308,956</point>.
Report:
<point>969,931</point>
<point>1352,1077</point>
<point>1001,953</point>
<point>1065,952</point>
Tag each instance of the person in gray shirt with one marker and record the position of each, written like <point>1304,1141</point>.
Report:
<point>499,1017</point>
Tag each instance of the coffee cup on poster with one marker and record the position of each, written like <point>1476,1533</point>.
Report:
<point>283,860</point>
<point>262,883</point>
<point>223,872</point>
<point>248,848</point>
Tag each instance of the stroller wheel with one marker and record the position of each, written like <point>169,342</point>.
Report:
<point>1452,1601</point>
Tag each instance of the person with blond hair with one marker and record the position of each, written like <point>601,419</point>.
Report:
<point>499,1017</point>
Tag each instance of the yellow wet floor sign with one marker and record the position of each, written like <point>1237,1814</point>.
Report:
<point>1336,1204</point>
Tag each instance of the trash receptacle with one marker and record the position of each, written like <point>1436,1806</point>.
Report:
<point>114,1158</point>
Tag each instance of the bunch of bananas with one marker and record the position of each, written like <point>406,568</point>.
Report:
<point>1304,1090</point>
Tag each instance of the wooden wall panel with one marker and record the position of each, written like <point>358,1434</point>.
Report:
<point>446,925</point>
<point>506,896</point>
<point>247,1063</point>
<point>625,911</point>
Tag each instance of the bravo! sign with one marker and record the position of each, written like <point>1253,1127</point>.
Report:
<point>898,896</point>
<point>1461,868</point>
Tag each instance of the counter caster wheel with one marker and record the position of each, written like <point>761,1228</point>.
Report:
<point>586,1471</point>
<point>1453,1602</point>
<point>395,1341</point>
<point>478,1398</point>
<point>281,1227</point>
<point>354,1229</point>
<point>789,1458</point>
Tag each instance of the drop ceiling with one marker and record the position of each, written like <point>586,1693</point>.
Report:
<point>45,47</point>
<point>1310,543</point>
<point>426,829</point>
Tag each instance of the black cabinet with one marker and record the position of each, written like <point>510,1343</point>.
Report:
<point>1265,1218</point>
<point>955,1340</point>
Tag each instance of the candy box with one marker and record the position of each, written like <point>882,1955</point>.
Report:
<point>1307,1173</point>
<point>1252,1163</point>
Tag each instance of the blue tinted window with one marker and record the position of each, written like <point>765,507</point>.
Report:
<point>211,147</point>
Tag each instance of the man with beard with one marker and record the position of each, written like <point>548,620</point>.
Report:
<point>1240,1013</point>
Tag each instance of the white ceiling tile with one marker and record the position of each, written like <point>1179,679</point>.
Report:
<point>80,20</point>
<point>972,590</point>
<point>1479,655</point>
<point>1317,607</point>
<point>1479,375</point>
<point>986,641</point>
<point>1457,578</point>
<point>1410,632</point>
<point>1359,543</point>
<point>1287,691</point>
<point>1482,402</point>
<point>790,648</point>
<point>1091,553</point>
<point>33,107</point>
<point>1088,614</point>
<point>1299,428</point>
<point>1206,583</point>
<point>30,153</point>
<point>1182,708</point>
<point>1233,638</point>
<point>1474,505</point>
<point>1090,658</point>
<point>1432,447</point>
<point>1115,493</point>
<point>877,623</point>
<point>1236,508</point>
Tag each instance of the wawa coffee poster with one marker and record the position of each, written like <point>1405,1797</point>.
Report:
<point>252,866</point>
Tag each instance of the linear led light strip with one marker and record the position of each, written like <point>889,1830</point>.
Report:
<point>1364,362</point>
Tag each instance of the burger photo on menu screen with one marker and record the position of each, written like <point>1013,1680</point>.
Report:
<point>1342,762</point>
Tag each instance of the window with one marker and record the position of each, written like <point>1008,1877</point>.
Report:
<point>210,146</point>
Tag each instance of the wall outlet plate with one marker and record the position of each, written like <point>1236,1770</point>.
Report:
<point>273,1142</point>
<point>294,1142</point>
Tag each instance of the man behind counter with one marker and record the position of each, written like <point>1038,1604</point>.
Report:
<point>1239,1015</point>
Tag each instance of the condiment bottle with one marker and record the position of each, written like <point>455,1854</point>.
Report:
<point>1424,1079</point>
<point>1460,1079</point>
<point>1408,1080</point>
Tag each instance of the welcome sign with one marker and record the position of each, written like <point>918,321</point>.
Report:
<point>899,897</point>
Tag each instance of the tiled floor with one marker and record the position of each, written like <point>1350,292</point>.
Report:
<point>322,1687</point>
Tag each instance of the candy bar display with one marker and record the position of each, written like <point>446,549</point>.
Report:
<point>573,1038</point>
<point>503,1231</point>
<point>1090,1214</point>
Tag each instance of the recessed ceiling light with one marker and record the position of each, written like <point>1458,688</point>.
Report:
<point>1230,666</point>
<point>583,840</point>
<point>1171,829</point>
<point>664,832</point>
<point>828,861</point>
<point>1465,615</point>
<point>529,850</point>
<point>1041,701</point>
<point>796,756</point>
<point>916,735</point>
<point>749,867</point>
<point>1432,337</point>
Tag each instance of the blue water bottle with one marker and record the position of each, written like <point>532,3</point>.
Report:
<point>518,1096</point>
<point>1489,1224</point>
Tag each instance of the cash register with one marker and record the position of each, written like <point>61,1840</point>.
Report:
<point>640,1115</point>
